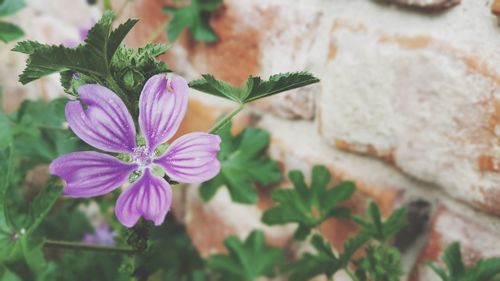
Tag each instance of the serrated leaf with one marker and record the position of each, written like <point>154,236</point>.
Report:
<point>42,204</point>
<point>246,260</point>
<point>309,206</point>
<point>380,263</point>
<point>10,32</point>
<point>92,58</point>
<point>244,164</point>
<point>254,88</point>
<point>195,17</point>
<point>9,7</point>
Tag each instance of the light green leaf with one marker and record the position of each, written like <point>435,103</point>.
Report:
<point>309,206</point>
<point>9,7</point>
<point>195,17</point>
<point>244,164</point>
<point>10,32</point>
<point>246,261</point>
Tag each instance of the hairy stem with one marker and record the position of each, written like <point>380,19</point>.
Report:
<point>86,247</point>
<point>156,33</point>
<point>226,119</point>
<point>353,277</point>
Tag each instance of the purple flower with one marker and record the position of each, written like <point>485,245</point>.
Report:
<point>104,123</point>
<point>103,235</point>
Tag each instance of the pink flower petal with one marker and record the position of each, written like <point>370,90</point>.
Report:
<point>104,123</point>
<point>192,158</point>
<point>149,197</point>
<point>161,111</point>
<point>89,174</point>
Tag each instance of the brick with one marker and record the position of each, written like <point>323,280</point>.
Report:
<point>495,7</point>
<point>427,107</point>
<point>478,238</point>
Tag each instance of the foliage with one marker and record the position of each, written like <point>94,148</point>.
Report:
<point>8,31</point>
<point>244,164</point>
<point>380,263</point>
<point>254,88</point>
<point>375,227</point>
<point>246,260</point>
<point>309,206</point>
<point>195,16</point>
<point>484,269</point>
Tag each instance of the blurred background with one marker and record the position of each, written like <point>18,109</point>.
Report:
<point>408,106</point>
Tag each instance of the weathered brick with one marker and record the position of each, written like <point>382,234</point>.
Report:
<point>478,238</point>
<point>434,112</point>
<point>427,4</point>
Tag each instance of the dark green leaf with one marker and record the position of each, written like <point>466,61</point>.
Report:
<point>246,260</point>
<point>244,164</point>
<point>309,206</point>
<point>380,263</point>
<point>254,88</point>
<point>43,203</point>
<point>92,58</point>
<point>9,7</point>
<point>194,16</point>
<point>9,32</point>
<point>378,229</point>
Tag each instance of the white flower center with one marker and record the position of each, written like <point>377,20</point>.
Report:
<point>142,157</point>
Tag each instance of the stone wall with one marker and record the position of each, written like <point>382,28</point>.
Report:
<point>408,107</point>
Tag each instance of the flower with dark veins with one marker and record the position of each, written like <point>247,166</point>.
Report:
<point>104,123</point>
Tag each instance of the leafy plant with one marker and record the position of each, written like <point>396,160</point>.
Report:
<point>254,88</point>
<point>195,16</point>
<point>9,31</point>
<point>484,269</point>
<point>309,206</point>
<point>324,261</point>
<point>246,260</point>
<point>244,164</point>
<point>377,228</point>
<point>380,263</point>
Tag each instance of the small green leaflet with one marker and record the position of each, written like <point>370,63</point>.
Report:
<point>92,58</point>
<point>309,206</point>
<point>194,16</point>
<point>244,164</point>
<point>9,7</point>
<point>9,32</point>
<point>324,261</point>
<point>483,270</point>
<point>378,229</point>
<point>254,88</point>
<point>246,261</point>
<point>5,131</point>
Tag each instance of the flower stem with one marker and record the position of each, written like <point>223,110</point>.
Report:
<point>156,33</point>
<point>226,119</point>
<point>353,277</point>
<point>118,90</point>
<point>86,247</point>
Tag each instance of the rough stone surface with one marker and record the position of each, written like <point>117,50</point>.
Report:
<point>434,112</point>
<point>478,239</point>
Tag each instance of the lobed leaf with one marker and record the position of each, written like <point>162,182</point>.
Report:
<point>254,88</point>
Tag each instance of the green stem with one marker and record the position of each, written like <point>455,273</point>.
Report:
<point>86,247</point>
<point>107,5</point>
<point>118,90</point>
<point>353,277</point>
<point>156,33</point>
<point>226,119</point>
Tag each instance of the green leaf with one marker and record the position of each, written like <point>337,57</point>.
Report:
<point>194,16</point>
<point>246,260</point>
<point>92,58</point>
<point>309,206</point>
<point>324,261</point>
<point>43,203</point>
<point>7,275</point>
<point>453,259</point>
<point>9,7</point>
<point>380,263</point>
<point>5,130</point>
<point>244,164</point>
<point>9,32</point>
<point>254,88</point>
<point>378,229</point>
